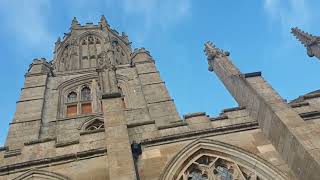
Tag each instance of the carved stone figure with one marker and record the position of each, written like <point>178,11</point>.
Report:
<point>213,52</point>
<point>312,43</point>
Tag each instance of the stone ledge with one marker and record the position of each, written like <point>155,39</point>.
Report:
<point>37,74</point>
<point>253,74</point>
<point>151,72</point>
<point>111,95</point>
<point>38,141</point>
<point>4,148</point>
<point>182,123</point>
<point>222,117</point>
<point>68,143</point>
<point>159,82</point>
<point>19,122</point>
<point>74,156</point>
<point>30,87</point>
<point>299,104</point>
<point>154,102</point>
<point>26,100</point>
<point>146,61</point>
<point>191,115</point>
<point>92,131</point>
<point>310,96</point>
<point>76,117</point>
<point>132,125</point>
<point>233,109</point>
<point>11,153</point>
<point>73,72</point>
<point>193,134</point>
<point>310,115</point>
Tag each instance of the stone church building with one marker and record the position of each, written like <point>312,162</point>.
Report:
<point>100,111</point>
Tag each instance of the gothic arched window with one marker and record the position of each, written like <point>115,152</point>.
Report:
<point>72,97</point>
<point>86,105</point>
<point>206,159</point>
<point>85,94</point>
<point>79,105</point>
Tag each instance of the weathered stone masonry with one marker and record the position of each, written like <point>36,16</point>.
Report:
<point>100,110</point>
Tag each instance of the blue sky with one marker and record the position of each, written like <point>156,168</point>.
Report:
<point>256,32</point>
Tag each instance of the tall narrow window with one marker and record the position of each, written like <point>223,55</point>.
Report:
<point>85,94</point>
<point>72,97</point>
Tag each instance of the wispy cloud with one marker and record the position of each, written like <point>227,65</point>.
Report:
<point>159,14</point>
<point>27,19</point>
<point>288,13</point>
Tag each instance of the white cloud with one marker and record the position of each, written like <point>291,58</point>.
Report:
<point>288,13</point>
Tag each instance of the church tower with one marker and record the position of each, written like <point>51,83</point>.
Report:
<point>100,111</point>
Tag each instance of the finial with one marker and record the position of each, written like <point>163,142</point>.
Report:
<point>103,21</point>
<point>213,52</point>
<point>58,40</point>
<point>74,23</point>
<point>312,43</point>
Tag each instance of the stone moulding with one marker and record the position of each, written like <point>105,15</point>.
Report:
<point>191,115</point>
<point>173,125</point>
<point>206,132</point>
<point>41,174</point>
<point>222,117</point>
<point>299,104</point>
<point>180,160</point>
<point>132,125</point>
<point>91,132</point>
<point>310,115</point>
<point>4,148</point>
<point>38,141</point>
<point>252,74</point>
<point>310,96</point>
<point>234,109</point>
<point>63,144</point>
<point>57,159</point>
<point>11,153</point>
<point>111,95</point>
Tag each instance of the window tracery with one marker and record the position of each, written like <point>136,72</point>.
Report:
<point>97,124</point>
<point>91,47</point>
<point>72,97</point>
<point>85,94</point>
<point>209,167</point>
<point>79,105</point>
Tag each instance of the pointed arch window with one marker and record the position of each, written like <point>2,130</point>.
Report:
<point>206,159</point>
<point>85,94</point>
<point>72,97</point>
<point>78,105</point>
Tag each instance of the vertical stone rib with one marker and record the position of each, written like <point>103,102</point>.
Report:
<point>120,160</point>
<point>286,130</point>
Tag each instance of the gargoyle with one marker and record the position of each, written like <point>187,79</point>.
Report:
<point>312,43</point>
